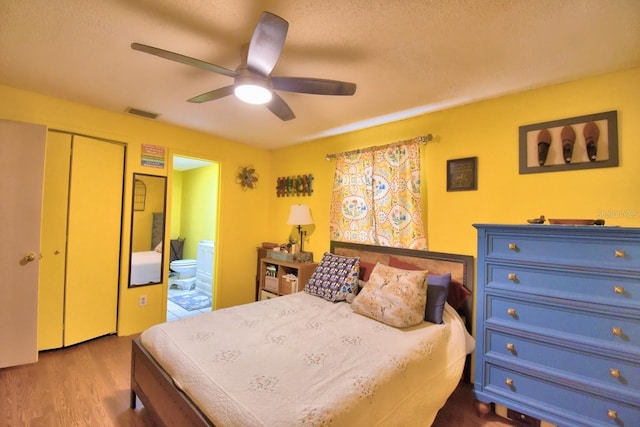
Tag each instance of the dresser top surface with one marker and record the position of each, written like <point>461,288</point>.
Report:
<point>557,228</point>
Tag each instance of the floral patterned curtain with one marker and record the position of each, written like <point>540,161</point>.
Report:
<point>376,197</point>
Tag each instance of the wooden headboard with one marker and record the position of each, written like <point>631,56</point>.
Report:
<point>460,266</point>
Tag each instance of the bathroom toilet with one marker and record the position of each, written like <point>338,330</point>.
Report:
<point>184,274</point>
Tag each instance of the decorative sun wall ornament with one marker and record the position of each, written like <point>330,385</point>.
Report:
<point>247,177</point>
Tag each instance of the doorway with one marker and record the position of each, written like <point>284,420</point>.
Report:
<point>193,229</point>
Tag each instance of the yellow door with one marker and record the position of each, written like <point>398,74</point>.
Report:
<point>93,243</point>
<point>22,148</point>
<point>54,240</point>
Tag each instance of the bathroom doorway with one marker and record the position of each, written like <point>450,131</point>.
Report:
<point>193,229</point>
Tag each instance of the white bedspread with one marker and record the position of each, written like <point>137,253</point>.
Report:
<point>145,267</point>
<point>298,360</point>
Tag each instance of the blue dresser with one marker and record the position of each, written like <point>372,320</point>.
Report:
<point>558,322</point>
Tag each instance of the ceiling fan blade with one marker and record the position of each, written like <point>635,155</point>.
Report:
<point>213,95</point>
<point>267,43</point>
<point>280,108</point>
<point>313,86</point>
<point>182,59</point>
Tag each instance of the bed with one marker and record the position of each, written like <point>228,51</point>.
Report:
<point>302,360</point>
<point>146,267</point>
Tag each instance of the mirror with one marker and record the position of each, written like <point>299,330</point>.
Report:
<point>147,229</point>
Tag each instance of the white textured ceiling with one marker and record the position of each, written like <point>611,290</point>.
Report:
<point>407,57</point>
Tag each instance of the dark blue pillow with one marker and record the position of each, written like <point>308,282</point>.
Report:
<point>437,292</point>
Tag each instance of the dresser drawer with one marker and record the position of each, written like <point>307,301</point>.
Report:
<point>577,407</point>
<point>562,249</point>
<point>603,288</point>
<point>622,375</point>
<point>621,331</point>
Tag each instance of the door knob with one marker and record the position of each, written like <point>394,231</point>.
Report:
<point>29,257</point>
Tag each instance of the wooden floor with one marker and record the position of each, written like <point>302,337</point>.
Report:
<point>88,385</point>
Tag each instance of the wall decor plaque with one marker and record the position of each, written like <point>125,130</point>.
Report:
<point>462,174</point>
<point>294,185</point>
<point>582,142</point>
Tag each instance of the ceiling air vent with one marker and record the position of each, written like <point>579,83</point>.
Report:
<point>142,113</point>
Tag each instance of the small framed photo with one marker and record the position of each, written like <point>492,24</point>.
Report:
<point>462,174</point>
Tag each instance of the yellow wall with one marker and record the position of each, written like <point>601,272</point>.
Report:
<point>242,227</point>
<point>175,201</point>
<point>198,216</point>
<point>488,130</point>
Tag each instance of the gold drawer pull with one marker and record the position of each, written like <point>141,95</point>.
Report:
<point>511,347</point>
<point>511,312</point>
<point>612,414</point>
<point>618,289</point>
<point>619,253</point>
<point>512,277</point>
<point>616,331</point>
<point>615,373</point>
<point>513,247</point>
<point>509,382</point>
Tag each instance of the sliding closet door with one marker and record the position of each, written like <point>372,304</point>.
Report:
<point>93,247</point>
<point>53,244</point>
<point>21,164</point>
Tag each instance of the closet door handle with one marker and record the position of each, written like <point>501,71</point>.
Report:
<point>29,257</point>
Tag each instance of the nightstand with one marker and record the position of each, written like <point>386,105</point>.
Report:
<point>279,277</point>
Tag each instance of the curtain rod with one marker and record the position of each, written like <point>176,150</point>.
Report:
<point>421,139</point>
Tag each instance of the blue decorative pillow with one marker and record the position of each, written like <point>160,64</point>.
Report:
<point>334,278</point>
<point>437,292</point>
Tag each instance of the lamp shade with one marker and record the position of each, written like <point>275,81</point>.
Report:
<point>252,88</point>
<point>300,215</point>
<point>253,94</point>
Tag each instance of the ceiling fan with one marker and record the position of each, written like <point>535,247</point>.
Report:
<point>253,82</point>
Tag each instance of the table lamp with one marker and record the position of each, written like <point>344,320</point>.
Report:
<point>300,215</point>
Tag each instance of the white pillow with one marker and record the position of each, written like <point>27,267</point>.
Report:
<point>393,296</point>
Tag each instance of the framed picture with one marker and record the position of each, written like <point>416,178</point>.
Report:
<point>462,174</point>
<point>583,142</point>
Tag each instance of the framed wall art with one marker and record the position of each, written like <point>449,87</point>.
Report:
<point>582,142</point>
<point>462,174</point>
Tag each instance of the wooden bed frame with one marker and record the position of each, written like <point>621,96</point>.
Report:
<point>169,406</point>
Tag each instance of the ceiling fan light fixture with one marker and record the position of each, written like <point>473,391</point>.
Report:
<point>253,83</point>
<point>252,93</point>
